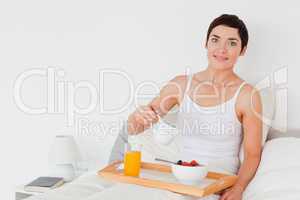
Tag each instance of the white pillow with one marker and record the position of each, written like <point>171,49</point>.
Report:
<point>280,153</point>
<point>278,175</point>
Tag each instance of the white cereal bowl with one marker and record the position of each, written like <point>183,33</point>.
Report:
<point>189,175</point>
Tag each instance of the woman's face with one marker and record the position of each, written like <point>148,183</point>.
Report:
<point>223,47</point>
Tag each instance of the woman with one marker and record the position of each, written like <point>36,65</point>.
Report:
<point>217,109</point>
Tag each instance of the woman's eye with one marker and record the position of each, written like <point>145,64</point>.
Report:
<point>233,43</point>
<point>214,40</point>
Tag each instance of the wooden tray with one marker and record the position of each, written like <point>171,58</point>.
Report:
<point>221,181</point>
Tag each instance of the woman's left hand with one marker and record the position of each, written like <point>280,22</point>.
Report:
<point>234,193</point>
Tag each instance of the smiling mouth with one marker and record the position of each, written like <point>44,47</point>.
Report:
<point>220,58</point>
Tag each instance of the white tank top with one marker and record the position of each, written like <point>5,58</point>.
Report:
<point>211,135</point>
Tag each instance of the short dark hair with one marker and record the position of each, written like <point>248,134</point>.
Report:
<point>232,21</point>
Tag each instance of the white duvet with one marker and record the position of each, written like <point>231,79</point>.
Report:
<point>277,178</point>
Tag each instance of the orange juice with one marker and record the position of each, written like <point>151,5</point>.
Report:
<point>132,163</point>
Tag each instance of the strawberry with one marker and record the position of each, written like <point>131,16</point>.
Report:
<point>194,163</point>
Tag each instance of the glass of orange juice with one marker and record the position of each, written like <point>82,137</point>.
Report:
<point>132,161</point>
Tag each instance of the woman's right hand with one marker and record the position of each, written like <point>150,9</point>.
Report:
<point>168,97</point>
<point>141,119</point>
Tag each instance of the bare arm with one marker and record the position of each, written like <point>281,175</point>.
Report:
<point>251,108</point>
<point>147,115</point>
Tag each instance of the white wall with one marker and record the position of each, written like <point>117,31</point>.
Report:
<point>150,40</point>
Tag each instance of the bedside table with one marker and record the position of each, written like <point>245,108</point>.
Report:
<point>20,193</point>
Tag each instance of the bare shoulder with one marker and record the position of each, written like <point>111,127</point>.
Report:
<point>171,93</point>
<point>182,80</point>
<point>249,91</point>
<point>175,88</point>
<point>179,81</point>
<point>249,98</point>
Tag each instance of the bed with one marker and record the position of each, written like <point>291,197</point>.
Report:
<point>277,177</point>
